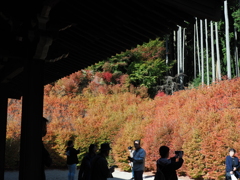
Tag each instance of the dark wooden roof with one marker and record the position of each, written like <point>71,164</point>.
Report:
<point>85,32</point>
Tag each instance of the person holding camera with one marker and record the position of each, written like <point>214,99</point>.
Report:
<point>130,149</point>
<point>167,166</point>
<point>138,160</point>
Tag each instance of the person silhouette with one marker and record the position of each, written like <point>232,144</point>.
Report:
<point>72,159</point>
<point>99,165</point>
<point>168,166</point>
<point>85,167</point>
<point>46,159</point>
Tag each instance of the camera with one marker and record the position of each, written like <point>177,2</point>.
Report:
<point>129,147</point>
<point>178,152</point>
<point>130,158</point>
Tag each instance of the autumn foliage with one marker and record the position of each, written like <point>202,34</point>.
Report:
<point>203,122</point>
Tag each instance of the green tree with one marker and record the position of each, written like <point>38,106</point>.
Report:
<point>145,65</point>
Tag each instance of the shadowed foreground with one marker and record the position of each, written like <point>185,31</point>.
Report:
<point>56,174</point>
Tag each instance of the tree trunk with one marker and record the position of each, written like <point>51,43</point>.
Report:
<point>218,68</point>
<point>227,40</point>
<point>166,39</point>
<point>194,51</point>
<point>183,49</point>
<point>206,38</point>
<point>198,53</point>
<point>236,52</point>
<point>174,50</point>
<point>180,49</point>
<point>212,53</point>
<point>202,57</point>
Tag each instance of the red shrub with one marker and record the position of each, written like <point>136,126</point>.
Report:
<point>107,76</point>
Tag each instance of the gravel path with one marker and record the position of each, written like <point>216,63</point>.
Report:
<point>56,174</point>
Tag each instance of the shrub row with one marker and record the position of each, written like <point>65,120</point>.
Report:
<point>202,122</point>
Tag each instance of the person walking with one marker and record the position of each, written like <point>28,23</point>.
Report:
<point>138,160</point>
<point>85,167</point>
<point>72,159</point>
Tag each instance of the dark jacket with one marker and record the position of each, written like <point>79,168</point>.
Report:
<point>85,168</point>
<point>46,161</point>
<point>72,155</point>
<point>100,170</point>
<point>169,167</point>
<point>232,162</point>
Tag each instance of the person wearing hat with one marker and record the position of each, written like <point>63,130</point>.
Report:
<point>138,160</point>
<point>100,169</point>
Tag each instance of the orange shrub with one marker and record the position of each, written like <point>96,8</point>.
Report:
<point>202,122</point>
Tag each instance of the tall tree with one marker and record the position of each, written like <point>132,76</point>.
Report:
<point>202,56</point>
<point>183,49</point>
<point>206,38</point>
<point>236,52</point>
<point>198,52</point>
<point>194,50</point>
<point>229,75</point>
<point>236,16</point>
<point>218,68</point>
<point>212,53</point>
<point>167,49</point>
<point>180,49</point>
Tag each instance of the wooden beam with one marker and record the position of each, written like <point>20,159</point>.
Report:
<point>11,75</point>
<point>3,127</point>
<point>31,127</point>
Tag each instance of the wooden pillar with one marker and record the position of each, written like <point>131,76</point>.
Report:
<point>31,127</point>
<point>3,117</point>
